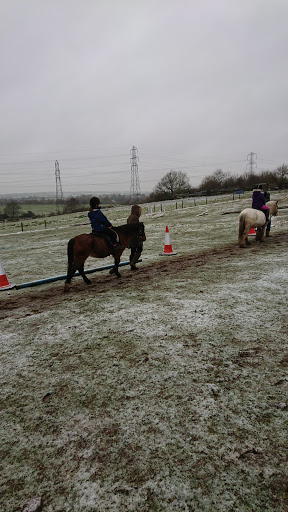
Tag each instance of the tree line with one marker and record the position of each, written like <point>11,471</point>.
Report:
<point>173,185</point>
<point>176,183</point>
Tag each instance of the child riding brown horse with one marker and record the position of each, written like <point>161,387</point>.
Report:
<point>82,246</point>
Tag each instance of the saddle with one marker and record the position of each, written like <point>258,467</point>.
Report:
<point>113,243</point>
<point>265,210</point>
<point>97,233</point>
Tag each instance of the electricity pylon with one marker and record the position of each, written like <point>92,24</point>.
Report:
<point>135,184</point>
<point>251,161</point>
<point>59,193</point>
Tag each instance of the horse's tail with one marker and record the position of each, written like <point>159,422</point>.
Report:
<point>241,225</point>
<point>70,253</point>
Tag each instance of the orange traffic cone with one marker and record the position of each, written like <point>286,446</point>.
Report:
<point>4,283</point>
<point>167,247</point>
<point>252,232</point>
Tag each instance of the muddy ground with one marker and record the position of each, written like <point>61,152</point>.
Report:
<point>164,390</point>
<point>48,296</point>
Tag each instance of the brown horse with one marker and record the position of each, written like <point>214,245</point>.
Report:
<point>82,246</point>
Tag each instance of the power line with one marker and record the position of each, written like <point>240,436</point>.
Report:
<point>112,171</point>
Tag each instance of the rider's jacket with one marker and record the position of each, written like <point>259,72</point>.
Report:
<point>98,220</point>
<point>258,199</point>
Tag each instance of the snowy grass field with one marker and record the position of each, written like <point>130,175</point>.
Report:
<point>164,390</point>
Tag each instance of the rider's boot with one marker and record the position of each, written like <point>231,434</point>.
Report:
<point>117,247</point>
<point>113,245</point>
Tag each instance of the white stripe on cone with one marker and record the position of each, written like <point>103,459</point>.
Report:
<point>4,283</point>
<point>168,251</point>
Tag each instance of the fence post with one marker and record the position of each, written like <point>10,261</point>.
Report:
<point>154,207</point>
<point>176,205</point>
<point>45,223</point>
<point>22,227</point>
<point>161,207</point>
<point>206,200</point>
<point>233,196</point>
<point>194,202</point>
<point>182,204</point>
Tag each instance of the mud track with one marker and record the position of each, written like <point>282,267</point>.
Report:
<point>43,298</point>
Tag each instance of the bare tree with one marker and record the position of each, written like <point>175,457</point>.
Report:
<point>217,181</point>
<point>281,175</point>
<point>172,184</point>
<point>12,209</point>
<point>72,204</point>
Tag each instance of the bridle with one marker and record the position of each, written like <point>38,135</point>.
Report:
<point>140,235</point>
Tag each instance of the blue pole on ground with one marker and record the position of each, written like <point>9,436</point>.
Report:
<point>64,276</point>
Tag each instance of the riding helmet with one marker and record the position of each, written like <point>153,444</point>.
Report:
<point>94,201</point>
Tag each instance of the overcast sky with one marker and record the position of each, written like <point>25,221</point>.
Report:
<point>194,85</point>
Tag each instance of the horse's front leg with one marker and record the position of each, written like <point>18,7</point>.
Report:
<point>115,270</point>
<point>116,265</point>
<point>82,273</point>
<point>117,257</point>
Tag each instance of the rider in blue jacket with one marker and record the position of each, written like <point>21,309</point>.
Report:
<point>100,223</point>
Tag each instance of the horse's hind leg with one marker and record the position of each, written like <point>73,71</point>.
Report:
<point>242,232</point>
<point>247,239</point>
<point>243,238</point>
<point>261,234</point>
<point>70,273</point>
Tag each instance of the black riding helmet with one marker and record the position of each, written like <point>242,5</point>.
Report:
<point>94,201</point>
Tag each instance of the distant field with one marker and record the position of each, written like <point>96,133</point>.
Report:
<point>38,209</point>
<point>41,209</point>
<point>48,209</point>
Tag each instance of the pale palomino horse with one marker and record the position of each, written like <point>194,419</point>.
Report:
<point>251,218</point>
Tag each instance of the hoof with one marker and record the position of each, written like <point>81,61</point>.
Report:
<point>88,281</point>
<point>111,271</point>
<point>134,268</point>
<point>67,287</point>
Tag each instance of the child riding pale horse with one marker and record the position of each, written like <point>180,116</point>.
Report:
<point>259,203</point>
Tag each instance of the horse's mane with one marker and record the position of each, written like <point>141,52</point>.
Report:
<point>129,229</point>
<point>273,205</point>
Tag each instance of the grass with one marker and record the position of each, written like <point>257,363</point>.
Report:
<point>38,209</point>
<point>165,390</point>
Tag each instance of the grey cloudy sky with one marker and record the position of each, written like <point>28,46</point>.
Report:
<point>195,85</point>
